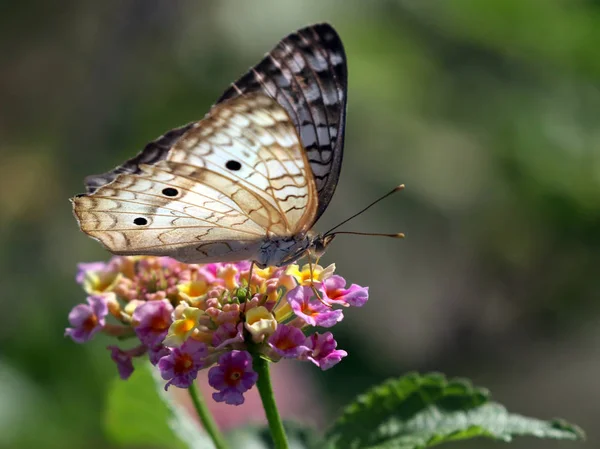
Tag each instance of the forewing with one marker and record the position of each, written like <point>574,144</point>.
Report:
<point>236,177</point>
<point>307,74</point>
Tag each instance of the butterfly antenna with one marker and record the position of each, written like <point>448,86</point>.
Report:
<point>396,189</point>
<point>398,235</point>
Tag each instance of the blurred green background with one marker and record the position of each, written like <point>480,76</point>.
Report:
<point>487,110</point>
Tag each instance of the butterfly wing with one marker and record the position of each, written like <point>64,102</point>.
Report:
<point>307,74</point>
<point>233,179</point>
<point>250,143</point>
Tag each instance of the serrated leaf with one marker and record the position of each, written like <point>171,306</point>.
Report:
<point>421,411</point>
<point>140,413</point>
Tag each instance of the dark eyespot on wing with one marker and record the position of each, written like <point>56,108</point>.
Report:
<point>140,221</point>
<point>233,165</point>
<point>170,191</point>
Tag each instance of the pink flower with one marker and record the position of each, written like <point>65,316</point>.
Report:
<point>180,367</point>
<point>185,317</point>
<point>232,377</point>
<point>334,292</point>
<point>152,320</point>
<point>87,319</point>
<point>83,268</point>
<point>310,309</point>
<point>227,334</point>
<point>288,341</point>
<point>156,353</point>
<point>243,265</point>
<point>228,313</point>
<point>212,268</point>
<point>123,361</point>
<point>322,350</point>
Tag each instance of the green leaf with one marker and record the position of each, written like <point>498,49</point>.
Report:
<point>139,412</point>
<point>420,411</point>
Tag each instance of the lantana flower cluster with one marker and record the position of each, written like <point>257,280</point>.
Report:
<point>191,317</point>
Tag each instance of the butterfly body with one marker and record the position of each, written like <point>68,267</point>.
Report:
<point>248,181</point>
<point>283,251</point>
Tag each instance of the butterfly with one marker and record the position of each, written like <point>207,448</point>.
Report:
<point>249,180</point>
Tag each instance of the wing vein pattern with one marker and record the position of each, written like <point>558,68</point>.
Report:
<point>231,181</point>
<point>307,74</point>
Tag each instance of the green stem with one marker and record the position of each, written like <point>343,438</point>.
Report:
<point>261,366</point>
<point>206,417</point>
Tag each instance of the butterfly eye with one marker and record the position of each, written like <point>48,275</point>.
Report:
<point>169,191</point>
<point>233,165</point>
<point>140,221</point>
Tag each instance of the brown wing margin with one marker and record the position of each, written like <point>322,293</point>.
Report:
<point>307,74</point>
<point>152,153</point>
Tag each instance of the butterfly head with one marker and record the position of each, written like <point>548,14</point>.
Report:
<point>287,250</point>
<point>319,245</point>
